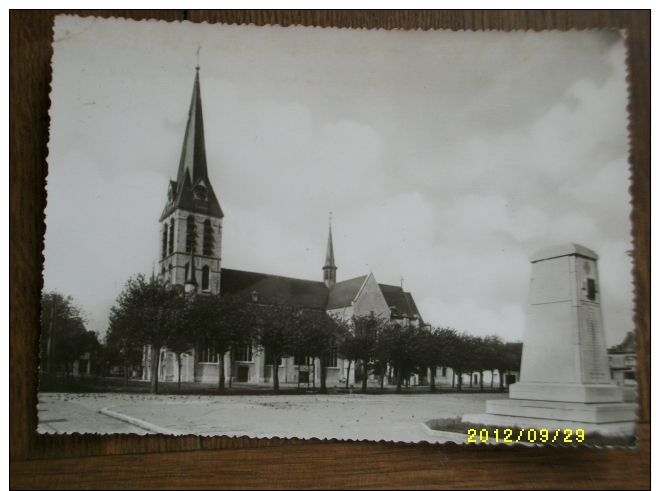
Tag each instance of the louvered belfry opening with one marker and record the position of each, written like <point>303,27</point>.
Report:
<point>170,246</point>
<point>208,238</point>
<point>191,235</point>
<point>165,235</point>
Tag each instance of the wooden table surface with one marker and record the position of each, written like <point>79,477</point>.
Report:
<point>121,461</point>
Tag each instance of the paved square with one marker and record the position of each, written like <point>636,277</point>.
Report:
<point>389,417</point>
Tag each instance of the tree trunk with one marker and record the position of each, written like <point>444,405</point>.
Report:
<point>364,375</point>
<point>481,380</point>
<point>383,371</point>
<point>501,375</point>
<point>459,380</point>
<point>155,361</point>
<point>348,372</point>
<point>125,374</point>
<point>323,389</point>
<point>221,372</point>
<point>195,358</point>
<point>432,379</point>
<point>231,365</point>
<point>453,378</point>
<point>492,378</point>
<point>398,379</point>
<point>276,372</point>
<point>178,360</point>
<point>471,379</point>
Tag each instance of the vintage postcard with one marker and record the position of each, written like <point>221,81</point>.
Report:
<point>331,233</point>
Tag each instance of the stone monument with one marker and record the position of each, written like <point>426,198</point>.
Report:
<point>564,377</point>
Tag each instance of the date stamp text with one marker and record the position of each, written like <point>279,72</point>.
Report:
<point>525,435</point>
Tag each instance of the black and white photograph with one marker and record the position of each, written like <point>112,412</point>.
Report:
<point>352,234</point>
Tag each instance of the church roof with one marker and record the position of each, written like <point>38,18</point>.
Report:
<point>399,301</point>
<point>193,191</point>
<point>307,294</point>
<point>273,289</point>
<point>343,293</point>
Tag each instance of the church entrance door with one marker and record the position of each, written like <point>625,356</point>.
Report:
<point>243,374</point>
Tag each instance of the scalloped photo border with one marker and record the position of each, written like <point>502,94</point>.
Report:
<point>117,128</point>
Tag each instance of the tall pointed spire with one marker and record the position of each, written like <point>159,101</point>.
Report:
<point>329,269</point>
<point>192,190</point>
<point>193,153</point>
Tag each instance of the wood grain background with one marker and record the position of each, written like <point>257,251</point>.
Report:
<point>123,461</point>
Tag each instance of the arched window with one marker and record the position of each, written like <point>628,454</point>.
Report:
<point>185,274</point>
<point>165,235</point>
<point>170,247</point>
<point>208,238</point>
<point>205,277</point>
<point>190,234</point>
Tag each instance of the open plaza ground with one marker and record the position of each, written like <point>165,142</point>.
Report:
<point>346,416</point>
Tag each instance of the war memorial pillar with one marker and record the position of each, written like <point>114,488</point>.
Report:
<point>564,377</point>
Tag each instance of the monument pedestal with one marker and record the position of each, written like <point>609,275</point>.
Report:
<point>624,428</point>
<point>585,393</point>
<point>564,377</point>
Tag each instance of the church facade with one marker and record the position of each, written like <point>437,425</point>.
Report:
<point>191,255</point>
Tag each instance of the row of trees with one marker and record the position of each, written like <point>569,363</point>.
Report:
<point>398,351</point>
<point>151,313</point>
<point>64,337</point>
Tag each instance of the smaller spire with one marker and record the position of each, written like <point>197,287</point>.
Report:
<point>330,269</point>
<point>199,46</point>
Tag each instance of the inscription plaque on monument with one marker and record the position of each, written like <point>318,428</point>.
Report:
<point>593,347</point>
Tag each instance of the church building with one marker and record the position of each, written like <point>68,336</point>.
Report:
<point>191,255</point>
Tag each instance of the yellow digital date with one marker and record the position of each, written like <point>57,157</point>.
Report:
<point>522,435</point>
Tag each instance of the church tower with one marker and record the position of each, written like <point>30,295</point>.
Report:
<point>191,233</point>
<point>330,270</point>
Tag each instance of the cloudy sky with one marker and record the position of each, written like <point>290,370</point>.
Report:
<point>446,158</point>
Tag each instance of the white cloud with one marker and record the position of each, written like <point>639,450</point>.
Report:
<point>575,226</point>
<point>446,158</point>
<point>607,186</point>
<point>471,316</point>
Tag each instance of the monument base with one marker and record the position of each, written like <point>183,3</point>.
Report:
<point>615,418</point>
<point>584,393</point>
<point>626,428</point>
<point>564,411</point>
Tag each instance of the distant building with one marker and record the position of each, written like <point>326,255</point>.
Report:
<point>191,252</point>
<point>82,367</point>
<point>445,377</point>
<point>623,361</point>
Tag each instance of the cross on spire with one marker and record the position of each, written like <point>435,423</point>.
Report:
<point>199,46</point>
